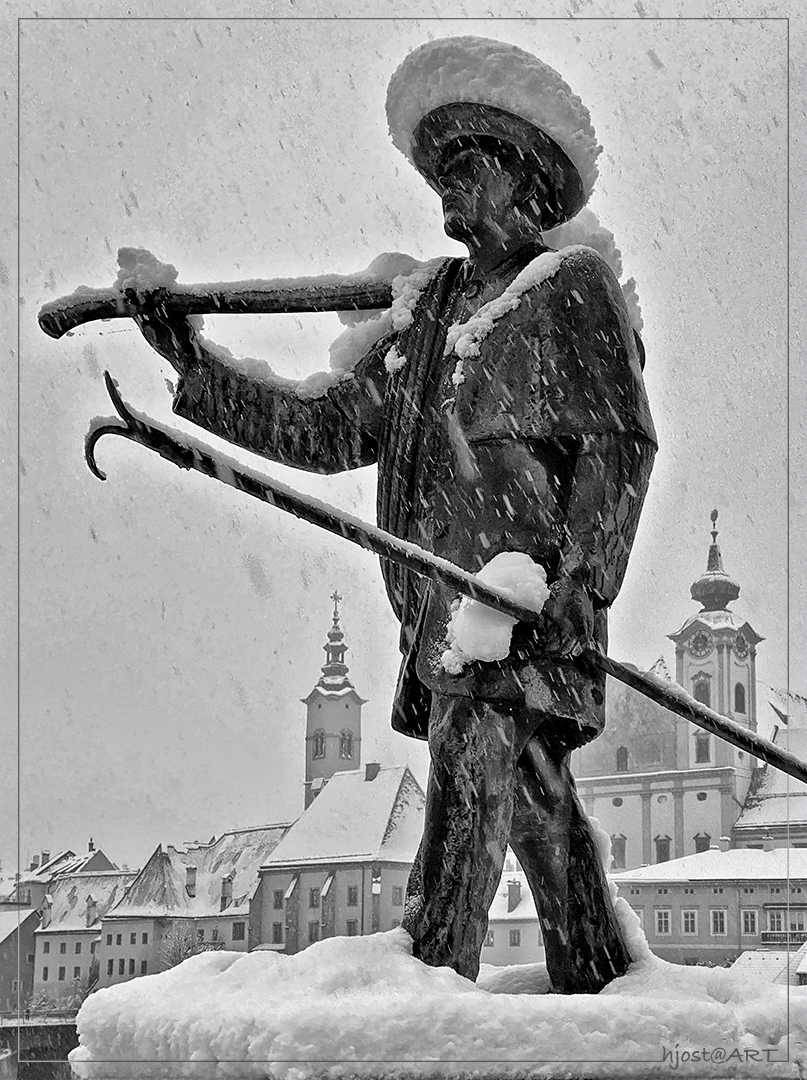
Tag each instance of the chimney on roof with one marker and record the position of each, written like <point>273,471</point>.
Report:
<point>190,880</point>
<point>91,845</point>
<point>513,895</point>
<point>45,857</point>
<point>725,843</point>
<point>34,863</point>
<point>371,770</point>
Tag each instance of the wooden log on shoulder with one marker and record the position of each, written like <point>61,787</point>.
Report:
<point>329,292</point>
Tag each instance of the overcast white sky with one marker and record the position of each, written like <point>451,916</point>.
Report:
<point>169,626</point>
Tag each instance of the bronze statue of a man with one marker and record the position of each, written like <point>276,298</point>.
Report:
<point>539,441</point>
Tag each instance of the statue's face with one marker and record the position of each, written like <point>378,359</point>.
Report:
<point>477,193</point>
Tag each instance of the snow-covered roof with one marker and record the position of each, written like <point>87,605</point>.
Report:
<point>11,918</point>
<point>66,862</point>
<point>776,798</point>
<point>722,619</point>
<point>358,819</point>
<point>160,889</point>
<point>761,965</point>
<point>524,909</point>
<point>738,864</point>
<point>68,896</point>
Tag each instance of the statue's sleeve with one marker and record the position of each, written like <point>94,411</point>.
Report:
<point>326,431</point>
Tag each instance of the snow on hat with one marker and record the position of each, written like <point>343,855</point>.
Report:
<point>483,72</point>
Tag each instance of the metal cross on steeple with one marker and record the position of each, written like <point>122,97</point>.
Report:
<point>336,596</point>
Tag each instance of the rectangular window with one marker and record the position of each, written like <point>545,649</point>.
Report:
<point>352,927</point>
<point>118,939</point>
<point>92,947</point>
<point>313,897</point>
<point>29,957</point>
<point>15,987</point>
<point>313,932</point>
<point>144,967</point>
<point>200,935</point>
<point>78,947</point>
<point>62,973</point>
<point>144,939</point>
<point>131,967</point>
<point>109,939</point>
<point>797,920</point>
<point>45,946</point>
<point>44,974</point>
<point>121,967</point>
<point>718,920</point>
<point>76,972</point>
<point>277,933</point>
<point>215,935</point>
<point>717,891</point>
<point>277,899</point>
<point>662,849</point>
<point>239,931</point>
<point>515,939</point>
<point>749,921</point>
<point>353,896</point>
<point>132,939</point>
<point>689,921</point>
<point>397,895</point>
<point>110,967</point>
<point>663,922</point>
<point>776,921</point>
<point>489,940</point>
<point>62,947</point>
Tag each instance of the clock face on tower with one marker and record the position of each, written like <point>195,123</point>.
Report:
<point>740,647</point>
<point>700,644</point>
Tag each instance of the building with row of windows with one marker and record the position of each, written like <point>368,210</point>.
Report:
<point>713,906</point>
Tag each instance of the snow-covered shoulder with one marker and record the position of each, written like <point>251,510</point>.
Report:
<point>465,338</point>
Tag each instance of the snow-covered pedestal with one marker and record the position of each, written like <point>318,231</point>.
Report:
<point>364,1007</point>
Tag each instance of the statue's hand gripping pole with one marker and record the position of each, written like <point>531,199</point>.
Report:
<point>188,453</point>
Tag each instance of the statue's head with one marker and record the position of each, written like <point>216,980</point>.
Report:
<point>484,160</point>
<point>454,96</point>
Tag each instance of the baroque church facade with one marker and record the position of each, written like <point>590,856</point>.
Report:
<point>661,787</point>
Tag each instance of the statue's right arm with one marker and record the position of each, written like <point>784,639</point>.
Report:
<point>333,431</point>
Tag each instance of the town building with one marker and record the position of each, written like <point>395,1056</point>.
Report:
<point>333,716</point>
<point>68,937</point>
<point>514,929</point>
<point>713,906</point>
<point>663,788</point>
<point>186,900</point>
<point>342,868</point>
<point>17,957</point>
<point>778,966</point>
<point>30,886</point>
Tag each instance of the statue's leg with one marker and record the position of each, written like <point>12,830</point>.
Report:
<point>554,842</point>
<point>469,805</point>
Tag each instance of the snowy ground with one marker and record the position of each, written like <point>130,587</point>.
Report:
<point>364,1007</point>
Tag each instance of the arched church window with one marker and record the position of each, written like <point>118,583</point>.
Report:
<point>618,851</point>
<point>319,744</point>
<point>703,693</point>
<point>622,759</point>
<point>703,749</point>
<point>739,698</point>
<point>346,744</point>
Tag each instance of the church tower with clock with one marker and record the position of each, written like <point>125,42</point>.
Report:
<point>715,660</point>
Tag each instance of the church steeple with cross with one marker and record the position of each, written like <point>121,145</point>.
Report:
<point>333,721</point>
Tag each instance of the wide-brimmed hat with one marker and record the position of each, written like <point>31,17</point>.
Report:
<point>471,88</point>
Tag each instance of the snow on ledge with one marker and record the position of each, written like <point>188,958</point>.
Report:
<point>364,1007</point>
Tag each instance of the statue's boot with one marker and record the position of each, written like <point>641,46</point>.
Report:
<point>554,842</point>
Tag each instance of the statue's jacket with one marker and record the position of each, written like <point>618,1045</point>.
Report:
<point>542,443</point>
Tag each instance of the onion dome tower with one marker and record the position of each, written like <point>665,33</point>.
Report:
<point>715,659</point>
<point>333,718</point>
